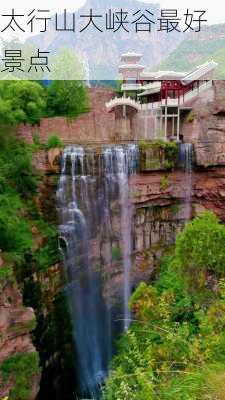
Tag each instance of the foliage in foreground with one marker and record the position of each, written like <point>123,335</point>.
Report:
<point>175,348</point>
<point>28,101</point>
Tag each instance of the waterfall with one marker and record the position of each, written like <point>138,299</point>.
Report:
<point>186,161</point>
<point>91,185</point>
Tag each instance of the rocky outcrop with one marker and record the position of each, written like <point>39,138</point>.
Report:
<point>205,127</point>
<point>207,191</point>
<point>16,324</point>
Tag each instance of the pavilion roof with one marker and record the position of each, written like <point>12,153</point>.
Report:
<point>131,66</point>
<point>131,55</point>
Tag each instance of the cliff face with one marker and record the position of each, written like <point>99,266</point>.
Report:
<point>205,126</point>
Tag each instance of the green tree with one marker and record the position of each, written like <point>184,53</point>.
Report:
<point>21,102</point>
<point>67,94</point>
<point>200,251</point>
<point>67,98</point>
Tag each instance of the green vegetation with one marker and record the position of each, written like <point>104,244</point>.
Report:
<point>164,182</point>
<point>195,52</point>
<point>66,98</point>
<point>6,275</point>
<point>53,142</point>
<point>17,182</point>
<point>47,255</point>
<point>21,102</point>
<point>116,253</point>
<point>174,349</point>
<point>158,154</point>
<point>190,117</point>
<point>28,101</point>
<point>22,368</point>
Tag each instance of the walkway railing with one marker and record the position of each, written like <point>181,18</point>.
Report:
<point>127,101</point>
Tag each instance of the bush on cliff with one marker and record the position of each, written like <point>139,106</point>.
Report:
<point>174,348</point>
<point>66,98</point>
<point>17,182</point>
<point>54,142</point>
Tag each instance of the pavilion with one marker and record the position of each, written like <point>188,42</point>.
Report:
<point>163,94</point>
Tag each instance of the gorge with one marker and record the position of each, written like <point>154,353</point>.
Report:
<point>118,215</point>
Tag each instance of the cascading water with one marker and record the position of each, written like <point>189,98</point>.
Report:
<point>185,161</point>
<point>89,186</point>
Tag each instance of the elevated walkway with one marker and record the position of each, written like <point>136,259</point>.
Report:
<point>169,102</point>
<point>123,101</point>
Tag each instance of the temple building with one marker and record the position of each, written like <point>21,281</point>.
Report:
<point>163,96</point>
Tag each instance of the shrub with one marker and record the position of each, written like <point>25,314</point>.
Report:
<point>164,183</point>
<point>54,141</point>
<point>201,245</point>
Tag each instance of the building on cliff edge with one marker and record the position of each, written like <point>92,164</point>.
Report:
<point>162,97</point>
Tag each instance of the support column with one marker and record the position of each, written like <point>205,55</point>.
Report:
<point>165,122</point>
<point>124,111</point>
<point>173,123</point>
<point>161,123</point>
<point>178,124</point>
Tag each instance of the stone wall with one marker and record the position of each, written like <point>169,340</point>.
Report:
<point>95,126</point>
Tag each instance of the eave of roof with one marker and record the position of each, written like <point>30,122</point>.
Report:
<point>199,72</point>
<point>131,66</point>
<point>163,75</point>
